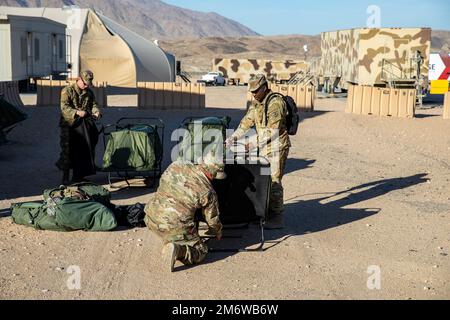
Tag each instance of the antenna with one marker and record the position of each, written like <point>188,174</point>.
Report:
<point>156,42</point>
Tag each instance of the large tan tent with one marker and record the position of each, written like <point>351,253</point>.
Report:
<point>114,53</point>
<point>106,54</point>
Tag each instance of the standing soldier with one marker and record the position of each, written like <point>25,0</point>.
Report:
<point>77,105</point>
<point>268,115</point>
<point>185,188</point>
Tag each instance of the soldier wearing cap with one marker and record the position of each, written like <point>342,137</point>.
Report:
<point>273,140</point>
<point>77,101</point>
<point>185,188</point>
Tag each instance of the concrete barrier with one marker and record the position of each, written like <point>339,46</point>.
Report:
<point>447,106</point>
<point>10,92</point>
<point>387,102</point>
<point>303,96</point>
<point>49,92</point>
<point>171,96</point>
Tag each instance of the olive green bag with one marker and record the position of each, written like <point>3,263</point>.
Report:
<point>82,190</point>
<point>137,148</point>
<point>84,206</point>
<point>34,214</point>
<point>198,136</point>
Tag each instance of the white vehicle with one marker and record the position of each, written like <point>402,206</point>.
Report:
<point>213,78</point>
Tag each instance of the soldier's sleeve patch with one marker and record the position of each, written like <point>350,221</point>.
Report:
<point>274,114</point>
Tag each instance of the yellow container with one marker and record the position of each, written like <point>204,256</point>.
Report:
<point>439,86</point>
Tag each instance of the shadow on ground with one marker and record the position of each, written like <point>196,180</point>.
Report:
<point>314,215</point>
<point>293,165</point>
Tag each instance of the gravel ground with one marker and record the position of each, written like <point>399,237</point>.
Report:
<point>362,193</point>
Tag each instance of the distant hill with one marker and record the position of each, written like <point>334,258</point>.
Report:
<point>197,54</point>
<point>152,19</point>
<point>440,41</point>
<point>196,38</point>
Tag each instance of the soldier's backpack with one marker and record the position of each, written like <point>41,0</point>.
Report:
<point>292,117</point>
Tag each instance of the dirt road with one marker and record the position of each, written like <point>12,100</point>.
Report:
<point>363,194</point>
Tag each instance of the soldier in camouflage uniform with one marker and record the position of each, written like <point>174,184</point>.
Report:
<point>184,188</point>
<point>274,147</point>
<point>77,101</point>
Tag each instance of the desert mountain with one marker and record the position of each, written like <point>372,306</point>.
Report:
<point>197,54</point>
<point>196,38</point>
<point>152,19</point>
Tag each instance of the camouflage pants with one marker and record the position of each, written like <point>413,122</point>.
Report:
<point>63,162</point>
<point>193,249</point>
<point>276,202</point>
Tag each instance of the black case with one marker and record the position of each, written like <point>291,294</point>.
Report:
<point>244,194</point>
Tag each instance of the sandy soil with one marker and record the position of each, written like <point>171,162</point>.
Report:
<point>360,191</point>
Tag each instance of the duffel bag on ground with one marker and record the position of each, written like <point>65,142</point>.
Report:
<point>67,214</point>
<point>34,214</point>
<point>82,191</point>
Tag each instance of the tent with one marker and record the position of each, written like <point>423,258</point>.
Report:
<point>114,53</point>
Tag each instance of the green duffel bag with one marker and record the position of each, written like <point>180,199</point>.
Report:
<point>82,191</point>
<point>35,214</point>
<point>87,215</point>
<point>68,214</point>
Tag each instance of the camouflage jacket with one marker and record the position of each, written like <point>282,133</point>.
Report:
<point>276,119</point>
<point>183,189</point>
<point>74,99</point>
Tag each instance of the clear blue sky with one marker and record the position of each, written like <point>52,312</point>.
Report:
<point>271,17</point>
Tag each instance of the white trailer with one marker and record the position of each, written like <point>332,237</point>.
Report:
<point>32,47</point>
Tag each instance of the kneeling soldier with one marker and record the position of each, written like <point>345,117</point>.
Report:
<point>184,188</point>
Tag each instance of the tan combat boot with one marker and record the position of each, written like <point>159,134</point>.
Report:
<point>170,256</point>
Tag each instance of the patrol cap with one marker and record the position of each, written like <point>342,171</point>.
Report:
<point>213,166</point>
<point>257,82</point>
<point>87,77</point>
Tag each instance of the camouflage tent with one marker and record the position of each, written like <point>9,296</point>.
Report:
<point>241,70</point>
<point>9,117</point>
<point>373,56</point>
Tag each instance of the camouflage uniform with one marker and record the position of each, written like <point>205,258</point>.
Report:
<point>276,119</point>
<point>73,99</point>
<point>184,188</point>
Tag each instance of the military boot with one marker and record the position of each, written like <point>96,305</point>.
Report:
<point>274,222</point>
<point>170,255</point>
